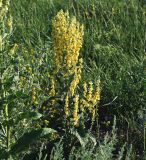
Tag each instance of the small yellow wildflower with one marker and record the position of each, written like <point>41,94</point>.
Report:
<point>93,115</point>
<point>75,110</point>
<point>90,90</point>
<point>34,98</point>
<point>97,91</point>
<point>10,23</point>
<point>34,95</point>
<point>85,89</point>
<point>75,82</point>
<point>66,106</point>
<point>83,104</point>
<point>29,70</point>
<point>52,91</point>
<point>46,122</point>
<point>14,49</point>
<point>1,43</point>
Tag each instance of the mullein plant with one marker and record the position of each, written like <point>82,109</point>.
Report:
<point>66,76</point>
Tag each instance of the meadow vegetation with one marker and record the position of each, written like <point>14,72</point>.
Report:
<point>72,79</point>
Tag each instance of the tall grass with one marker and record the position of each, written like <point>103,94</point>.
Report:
<point>113,49</point>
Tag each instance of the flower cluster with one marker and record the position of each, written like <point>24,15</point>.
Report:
<point>76,78</point>
<point>66,102</point>
<point>90,96</point>
<point>34,95</point>
<point>3,8</point>
<point>68,37</point>
<point>75,110</point>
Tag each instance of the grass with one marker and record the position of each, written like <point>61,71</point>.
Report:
<point>113,49</point>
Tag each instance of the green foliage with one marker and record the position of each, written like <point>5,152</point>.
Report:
<point>102,150</point>
<point>113,49</point>
<point>28,138</point>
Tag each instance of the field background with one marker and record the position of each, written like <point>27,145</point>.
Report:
<point>114,50</point>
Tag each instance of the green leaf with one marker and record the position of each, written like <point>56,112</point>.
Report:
<point>28,138</point>
<point>80,139</point>
<point>29,116</point>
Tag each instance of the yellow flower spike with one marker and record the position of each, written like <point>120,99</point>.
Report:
<point>66,106</point>
<point>52,91</point>
<point>75,81</point>
<point>46,122</point>
<point>1,43</point>
<point>34,98</point>
<point>95,97</point>
<point>14,49</point>
<point>75,110</point>
<point>84,89</point>
<point>67,36</point>
<point>90,90</point>
<point>93,114</point>
<point>29,70</point>
<point>10,23</point>
<point>97,91</point>
<point>83,103</point>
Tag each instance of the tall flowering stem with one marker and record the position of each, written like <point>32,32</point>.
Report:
<point>67,37</point>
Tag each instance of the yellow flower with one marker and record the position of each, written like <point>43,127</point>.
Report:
<point>67,37</point>
<point>97,91</point>
<point>34,95</point>
<point>66,106</point>
<point>14,49</point>
<point>52,91</point>
<point>93,115</point>
<point>75,110</point>
<point>83,104</point>
<point>76,80</point>
<point>10,23</point>
<point>34,98</point>
<point>1,43</point>
<point>90,90</point>
<point>46,122</point>
<point>84,89</point>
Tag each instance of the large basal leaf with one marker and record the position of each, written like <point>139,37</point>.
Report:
<point>28,138</point>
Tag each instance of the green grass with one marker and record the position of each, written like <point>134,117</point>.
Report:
<point>113,49</point>
<point>114,43</point>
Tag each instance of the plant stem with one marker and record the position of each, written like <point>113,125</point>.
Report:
<point>7,128</point>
